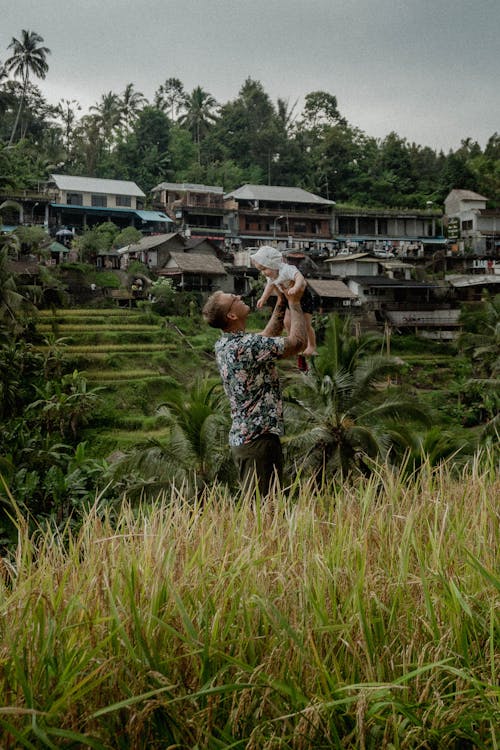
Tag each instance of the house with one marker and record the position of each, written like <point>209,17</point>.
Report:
<point>472,226</point>
<point>154,250</point>
<point>472,287</point>
<point>196,210</point>
<point>415,304</point>
<point>357,264</point>
<point>331,295</point>
<point>284,216</point>
<point>389,231</point>
<point>203,245</point>
<point>82,202</point>
<point>195,272</point>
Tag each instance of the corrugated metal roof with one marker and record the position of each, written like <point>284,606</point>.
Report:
<point>148,243</point>
<point>153,216</point>
<point>472,280</point>
<point>361,257</point>
<point>188,186</point>
<point>277,193</point>
<point>394,283</point>
<point>96,185</point>
<point>330,288</point>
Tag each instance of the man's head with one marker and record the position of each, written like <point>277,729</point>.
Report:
<point>225,311</point>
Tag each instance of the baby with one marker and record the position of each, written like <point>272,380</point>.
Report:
<point>281,275</point>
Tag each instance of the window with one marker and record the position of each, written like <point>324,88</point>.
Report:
<point>123,200</point>
<point>99,201</point>
<point>74,199</point>
<point>467,224</point>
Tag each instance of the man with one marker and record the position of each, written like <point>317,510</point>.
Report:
<point>247,365</point>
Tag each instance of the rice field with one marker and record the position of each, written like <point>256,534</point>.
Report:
<point>354,616</point>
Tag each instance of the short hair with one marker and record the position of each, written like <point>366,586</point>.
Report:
<point>214,313</point>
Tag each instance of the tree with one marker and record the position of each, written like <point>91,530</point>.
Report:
<point>28,58</point>
<point>200,112</point>
<point>130,104</point>
<point>345,414</point>
<point>170,95</point>
<point>195,453</point>
<point>67,109</point>
<point>321,110</point>
<point>143,156</point>
<point>14,306</point>
<point>108,115</point>
<point>64,405</point>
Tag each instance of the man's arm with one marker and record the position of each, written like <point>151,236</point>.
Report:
<point>274,326</point>
<point>296,341</point>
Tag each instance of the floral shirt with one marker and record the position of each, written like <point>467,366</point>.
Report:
<point>249,375</point>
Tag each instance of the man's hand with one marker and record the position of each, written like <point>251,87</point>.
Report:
<point>294,294</point>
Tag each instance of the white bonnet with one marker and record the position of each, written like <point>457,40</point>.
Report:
<point>268,256</point>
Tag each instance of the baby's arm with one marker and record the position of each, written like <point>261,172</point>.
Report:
<point>299,283</point>
<point>268,290</point>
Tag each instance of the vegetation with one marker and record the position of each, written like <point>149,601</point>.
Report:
<point>355,616</point>
<point>144,602</point>
<point>189,137</point>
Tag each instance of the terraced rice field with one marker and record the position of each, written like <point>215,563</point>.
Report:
<point>133,358</point>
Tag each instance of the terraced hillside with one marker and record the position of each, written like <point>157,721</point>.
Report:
<point>133,357</point>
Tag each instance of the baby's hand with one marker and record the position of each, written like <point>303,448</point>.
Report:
<point>259,303</point>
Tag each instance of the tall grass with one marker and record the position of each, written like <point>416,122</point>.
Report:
<point>348,617</point>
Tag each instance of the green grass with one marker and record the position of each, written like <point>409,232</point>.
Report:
<point>358,616</point>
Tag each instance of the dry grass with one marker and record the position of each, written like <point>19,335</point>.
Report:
<point>353,617</point>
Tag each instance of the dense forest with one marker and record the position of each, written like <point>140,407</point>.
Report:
<point>183,136</point>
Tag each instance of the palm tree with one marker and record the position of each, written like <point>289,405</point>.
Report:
<point>344,412</point>
<point>481,338</point>
<point>195,449</point>
<point>66,109</point>
<point>108,115</point>
<point>199,115</point>
<point>130,103</point>
<point>28,58</point>
<point>13,305</point>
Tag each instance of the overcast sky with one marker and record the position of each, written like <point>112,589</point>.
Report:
<point>428,70</point>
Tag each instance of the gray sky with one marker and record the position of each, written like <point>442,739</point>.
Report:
<point>428,70</point>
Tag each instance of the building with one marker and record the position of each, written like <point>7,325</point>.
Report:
<point>82,202</point>
<point>195,272</point>
<point>154,251</point>
<point>284,216</point>
<point>196,210</point>
<point>332,295</point>
<point>402,232</point>
<point>473,226</point>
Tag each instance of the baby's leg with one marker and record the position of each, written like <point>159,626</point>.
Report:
<point>311,336</point>
<point>286,321</point>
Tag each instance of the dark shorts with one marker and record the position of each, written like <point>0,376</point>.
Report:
<point>306,302</point>
<point>260,461</point>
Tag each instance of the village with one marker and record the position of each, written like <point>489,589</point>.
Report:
<point>410,269</point>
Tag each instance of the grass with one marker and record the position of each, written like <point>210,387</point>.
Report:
<point>358,616</point>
